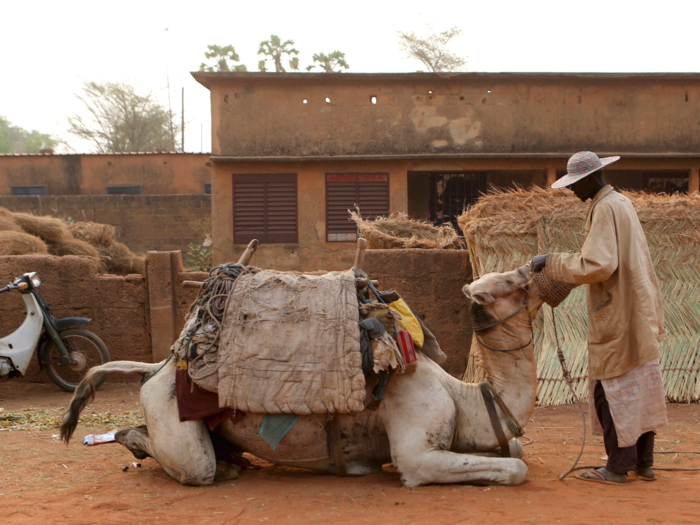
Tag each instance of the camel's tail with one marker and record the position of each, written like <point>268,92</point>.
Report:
<point>85,392</point>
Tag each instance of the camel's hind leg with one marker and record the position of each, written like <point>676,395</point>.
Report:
<point>183,449</point>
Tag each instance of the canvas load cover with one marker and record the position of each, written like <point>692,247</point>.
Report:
<point>290,344</point>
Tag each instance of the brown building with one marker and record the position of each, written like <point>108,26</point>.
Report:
<point>105,174</point>
<point>293,152</point>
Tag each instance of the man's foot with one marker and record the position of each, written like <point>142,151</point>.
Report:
<point>645,473</point>
<point>603,475</point>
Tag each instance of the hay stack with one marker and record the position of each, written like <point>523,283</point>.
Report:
<point>20,243</point>
<point>505,229</point>
<point>49,229</point>
<point>399,231</point>
<point>93,232</point>
<point>74,247</point>
<point>116,257</point>
<point>7,221</point>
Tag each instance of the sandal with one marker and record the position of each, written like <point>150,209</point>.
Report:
<point>645,473</point>
<point>600,476</point>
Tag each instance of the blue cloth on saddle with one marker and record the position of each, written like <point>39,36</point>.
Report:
<point>275,426</point>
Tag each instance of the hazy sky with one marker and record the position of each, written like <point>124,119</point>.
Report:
<point>50,48</point>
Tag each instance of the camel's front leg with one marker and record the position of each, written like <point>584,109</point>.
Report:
<point>420,422</point>
<point>183,449</point>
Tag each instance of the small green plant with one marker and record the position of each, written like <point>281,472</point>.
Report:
<point>199,256</point>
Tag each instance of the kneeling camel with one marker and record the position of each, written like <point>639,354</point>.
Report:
<point>433,427</point>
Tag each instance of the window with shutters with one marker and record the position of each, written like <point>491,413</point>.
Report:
<point>265,208</point>
<point>344,191</point>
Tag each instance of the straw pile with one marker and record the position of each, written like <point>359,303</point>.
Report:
<point>25,234</point>
<point>398,231</point>
<point>505,229</point>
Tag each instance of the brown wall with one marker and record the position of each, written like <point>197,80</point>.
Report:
<point>143,222</point>
<point>261,114</point>
<point>431,282</point>
<point>156,173</point>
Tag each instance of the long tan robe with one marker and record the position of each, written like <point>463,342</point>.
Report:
<point>625,311</point>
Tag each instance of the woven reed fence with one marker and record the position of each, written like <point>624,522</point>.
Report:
<point>505,229</point>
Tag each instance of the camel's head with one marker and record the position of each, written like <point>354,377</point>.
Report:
<point>497,295</point>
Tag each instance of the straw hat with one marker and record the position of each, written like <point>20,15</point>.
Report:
<point>581,164</point>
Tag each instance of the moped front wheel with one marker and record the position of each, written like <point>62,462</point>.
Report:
<point>85,350</point>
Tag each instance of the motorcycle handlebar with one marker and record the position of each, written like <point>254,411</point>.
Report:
<point>6,289</point>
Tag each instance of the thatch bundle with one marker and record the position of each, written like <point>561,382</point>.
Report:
<point>398,231</point>
<point>20,243</point>
<point>48,229</point>
<point>40,235</point>
<point>93,232</point>
<point>74,247</point>
<point>7,221</point>
<point>504,230</point>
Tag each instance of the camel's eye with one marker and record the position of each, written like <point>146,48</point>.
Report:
<point>509,282</point>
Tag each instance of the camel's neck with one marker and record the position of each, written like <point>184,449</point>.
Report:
<point>513,374</point>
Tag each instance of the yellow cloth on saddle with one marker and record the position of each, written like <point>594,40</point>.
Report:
<point>409,322</point>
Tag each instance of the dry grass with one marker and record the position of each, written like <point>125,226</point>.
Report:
<point>74,247</point>
<point>399,231</point>
<point>49,229</point>
<point>20,243</point>
<point>118,258</point>
<point>7,221</point>
<point>505,229</point>
<point>93,232</point>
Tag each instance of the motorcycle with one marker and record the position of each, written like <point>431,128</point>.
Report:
<point>65,352</point>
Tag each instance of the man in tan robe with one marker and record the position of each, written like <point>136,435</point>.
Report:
<point>625,321</point>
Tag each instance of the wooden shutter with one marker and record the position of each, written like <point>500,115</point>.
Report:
<point>344,191</point>
<point>265,208</point>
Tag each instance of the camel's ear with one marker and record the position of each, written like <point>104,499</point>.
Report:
<point>465,291</point>
<point>482,298</point>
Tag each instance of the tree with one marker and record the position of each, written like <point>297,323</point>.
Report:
<point>431,50</point>
<point>119,120</point>
<point>328,63</point>
<point>221,57</point>
<point>274,49</point>
<point>14,139</point>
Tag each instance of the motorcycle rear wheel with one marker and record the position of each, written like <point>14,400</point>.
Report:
<point>86,350</point>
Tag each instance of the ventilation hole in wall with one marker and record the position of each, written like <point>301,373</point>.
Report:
<point>164,162</point>
<point>304,101</point>
<point>225,99</point>
<point>461,98</point>
<point>328,100</point>
<point>430,97</point>
<point>579,99</point>
<point>686,96</point>
<point>237,95</point>
<point>109,164</point>
<point>373,100</point>
<point>483,100</point>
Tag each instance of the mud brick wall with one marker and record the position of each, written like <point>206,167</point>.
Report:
<point>431,282</point>
<point>71,287</point>
<point>143,222</point>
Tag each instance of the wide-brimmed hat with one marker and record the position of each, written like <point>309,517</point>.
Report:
<point>581,164</point>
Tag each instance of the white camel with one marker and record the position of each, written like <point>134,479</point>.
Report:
<point>433,427</point>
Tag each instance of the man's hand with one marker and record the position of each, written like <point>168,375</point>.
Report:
<point>538,263</point>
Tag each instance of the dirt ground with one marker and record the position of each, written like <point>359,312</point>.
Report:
<point>44,481</point>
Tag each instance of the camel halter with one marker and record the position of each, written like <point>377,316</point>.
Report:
<point>503,320</point>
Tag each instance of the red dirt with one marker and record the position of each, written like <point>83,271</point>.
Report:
<point>43,481</point>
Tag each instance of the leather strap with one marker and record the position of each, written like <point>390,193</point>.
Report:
<point>495,421</point>
<point>335,446</point>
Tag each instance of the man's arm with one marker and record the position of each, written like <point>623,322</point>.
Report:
<point>598,258</point>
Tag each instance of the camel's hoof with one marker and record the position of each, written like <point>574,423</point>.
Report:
<point>226,471</point>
